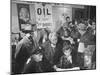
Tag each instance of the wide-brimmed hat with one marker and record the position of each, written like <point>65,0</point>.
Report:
<point>29,28</point>
<point>38,50</point>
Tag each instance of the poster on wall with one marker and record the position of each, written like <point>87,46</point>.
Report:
<point>24,17</point>
<point>43,15</point>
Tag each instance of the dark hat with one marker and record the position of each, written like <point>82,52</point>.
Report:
<point>29,28</point>
<point>66,42</point>
<point>67,17</point>
<point>38,50</point>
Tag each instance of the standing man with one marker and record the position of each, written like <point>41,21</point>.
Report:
<point>64,26</point>
<point>86,44</point>
<point>24,49</point>
<point>53,50</point>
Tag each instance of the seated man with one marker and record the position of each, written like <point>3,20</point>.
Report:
<point>33,64</point>
<point>66,58</point>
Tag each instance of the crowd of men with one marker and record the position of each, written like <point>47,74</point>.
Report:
<point>73,45</point>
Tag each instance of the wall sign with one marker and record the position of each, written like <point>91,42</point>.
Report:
<point>44,15</point>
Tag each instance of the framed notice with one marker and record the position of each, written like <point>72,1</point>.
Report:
<point>24,17</point>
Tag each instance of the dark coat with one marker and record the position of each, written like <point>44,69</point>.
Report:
<point>52,54</point>
<point>88,38</point>
<point>38,67</point>
<point>64,63</point>
<point>32,67</point>
<point>23,51</point>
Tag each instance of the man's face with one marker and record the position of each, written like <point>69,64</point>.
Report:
<point>38,57</point>
<point>65,33</point>
<point>54,40</point>
<point>87,60</point>
<point>82,28</point>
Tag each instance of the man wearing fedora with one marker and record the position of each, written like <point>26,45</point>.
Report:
<point>24,48</point>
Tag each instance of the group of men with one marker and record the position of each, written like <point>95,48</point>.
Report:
<point>73,44</point>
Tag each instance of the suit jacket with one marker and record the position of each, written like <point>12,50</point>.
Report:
<point>52,54</point>
<point>23,51</point>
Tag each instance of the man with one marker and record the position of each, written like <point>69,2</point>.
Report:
<point>33,64</point>
<point>23,51</point>
<point>52,50</point>
<point>86,42</point>
<point>64,27</point>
